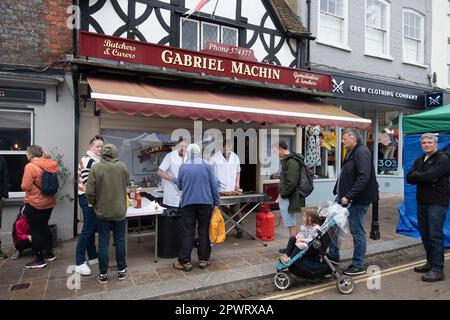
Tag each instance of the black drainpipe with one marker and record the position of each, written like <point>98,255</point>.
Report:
<point>308,49</point>
<point>75,80</point>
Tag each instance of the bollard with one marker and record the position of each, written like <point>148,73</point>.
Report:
<point>375,227</point>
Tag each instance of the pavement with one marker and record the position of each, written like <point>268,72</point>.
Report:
<point>232,262</point>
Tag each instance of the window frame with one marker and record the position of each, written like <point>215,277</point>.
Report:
<point>387,44</point>
<point>18,194</point>
<point>421,49</point>
<point>181,33</point>
<point>344,41</point>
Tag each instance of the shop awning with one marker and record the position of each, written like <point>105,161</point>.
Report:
<point>197,103</point>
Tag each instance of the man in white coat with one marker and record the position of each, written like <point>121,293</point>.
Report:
<point>168,171</point>
<point>227,168</point>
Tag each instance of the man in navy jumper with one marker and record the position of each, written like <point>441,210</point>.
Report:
<point>199,195</point>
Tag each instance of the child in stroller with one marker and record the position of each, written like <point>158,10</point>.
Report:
<point>311,223</point>
<point>312,262</point>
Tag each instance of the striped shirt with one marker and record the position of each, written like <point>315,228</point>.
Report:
<point>84,167</point>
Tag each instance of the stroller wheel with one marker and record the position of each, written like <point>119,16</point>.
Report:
<point>282,280</point>
<point>345,284</point>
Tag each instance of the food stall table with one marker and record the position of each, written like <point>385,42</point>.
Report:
<point>247,199</point>
<point>145,211</point>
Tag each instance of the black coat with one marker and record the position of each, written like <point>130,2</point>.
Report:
<point>357,181</point>
<point>4,179</point>
<point>431,178</point>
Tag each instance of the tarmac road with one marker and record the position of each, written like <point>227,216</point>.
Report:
<point>394,283</point>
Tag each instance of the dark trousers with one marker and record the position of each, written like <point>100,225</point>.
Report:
<point>1,210</point>
<point>192,214</point>
<point>23,245</point>
<point>431,219</point>
<point>118,229</point>
<point>40,232</point>
<point>86,241</point>
<point>292,249</point>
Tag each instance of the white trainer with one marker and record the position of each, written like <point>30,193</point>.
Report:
<point>83,269</point>
<point>93,261</point>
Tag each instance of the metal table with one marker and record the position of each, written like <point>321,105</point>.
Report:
<point>247,199</point>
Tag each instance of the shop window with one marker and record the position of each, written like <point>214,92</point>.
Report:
<point>16,129</point>
<point>141,151</point>
<point>413,37</point>
<point>195,35</point>
<point>328,143</point>
<point>388,143</point>
<point>270,167</point>
<point>332,22</point>
<point>377,27</point>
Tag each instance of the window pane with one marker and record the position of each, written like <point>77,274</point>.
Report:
<point>210,33</point>
<point>375,40</point>
<point>229,36</point>
<point>331,29</point>
<point>412,50</point>
<point>15,130</point>
<point>190,35</point>
<point>332,7</point>
<point>16,165</point>
<point>323,5</point>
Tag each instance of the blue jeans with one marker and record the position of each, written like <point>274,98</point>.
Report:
<point>356,218</point>
<point>86,242</point>
<point>118,229</point>
<point>431,219</point>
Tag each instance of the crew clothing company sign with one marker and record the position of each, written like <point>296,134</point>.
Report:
<point>378,92</point>
<point>119,49</point>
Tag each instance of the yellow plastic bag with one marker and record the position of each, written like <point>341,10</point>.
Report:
<point>217,233</point>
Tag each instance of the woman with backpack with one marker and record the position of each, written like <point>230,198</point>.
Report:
<point>38,182</point>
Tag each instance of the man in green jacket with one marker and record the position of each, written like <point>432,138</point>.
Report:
<point>289,199</point>
<point>106,191</point>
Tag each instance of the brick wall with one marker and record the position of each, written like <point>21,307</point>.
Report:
<point>34,32</point>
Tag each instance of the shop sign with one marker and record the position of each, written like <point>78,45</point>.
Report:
<point>148,54</point>
<point>147,152</point>
<point>434,99</point>
<point>387,165</point>
<point>22,95</point>
<point>229,51</point>
<point>377,91</point>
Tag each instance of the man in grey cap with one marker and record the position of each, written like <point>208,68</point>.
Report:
<point>199,195</point>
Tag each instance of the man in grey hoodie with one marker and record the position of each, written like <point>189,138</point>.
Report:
<point>106,192</point>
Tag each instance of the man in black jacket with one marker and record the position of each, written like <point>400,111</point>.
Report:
<point>357,185</point>
<point>430,173</point>
<point>4,187</point>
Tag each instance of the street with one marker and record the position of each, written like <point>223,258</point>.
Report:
<point>395,283</point>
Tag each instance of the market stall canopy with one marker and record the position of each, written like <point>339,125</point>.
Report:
<point>197,103</point>
<point>435,120</point>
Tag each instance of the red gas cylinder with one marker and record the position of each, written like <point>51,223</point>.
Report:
<point>265,224</point>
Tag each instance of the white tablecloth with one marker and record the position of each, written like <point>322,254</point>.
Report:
<point>146,210</point>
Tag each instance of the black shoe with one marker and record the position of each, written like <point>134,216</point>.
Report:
<point>35,264</point>
<point>102,278</point>
<point>433,276</point>
<point>282,250</point>
<point>423,269</point>
<point>122,274</point>
<point>353,271</point>
<point>239,234</point>
<point>333,260</point>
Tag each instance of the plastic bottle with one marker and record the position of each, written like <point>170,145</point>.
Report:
<point>138,200</point>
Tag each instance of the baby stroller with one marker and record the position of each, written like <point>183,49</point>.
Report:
<point>313,262</point>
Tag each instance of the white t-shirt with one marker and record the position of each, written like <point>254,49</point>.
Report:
<point>171,165</point>
<point>226,171</point>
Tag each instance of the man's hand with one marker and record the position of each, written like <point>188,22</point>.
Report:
<point>29,237</point>
<point>237,188</point>
<point>278,199</point>
<point>90,205</point>
<point>345,201</point>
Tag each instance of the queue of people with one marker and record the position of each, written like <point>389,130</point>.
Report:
<point>192,185</point>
